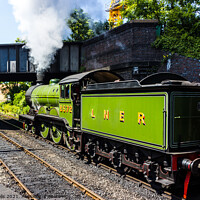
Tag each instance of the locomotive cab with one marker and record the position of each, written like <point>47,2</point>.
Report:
<point>69,103</point>
<point>70,92</point>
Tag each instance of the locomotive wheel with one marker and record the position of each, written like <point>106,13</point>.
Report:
<point>68,143</point>
<point>44,131</point>
<point>57,135</point>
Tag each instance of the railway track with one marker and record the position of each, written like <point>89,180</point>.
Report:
<point>141,184</point>
<point>13,156</point>
<point>21,185</point>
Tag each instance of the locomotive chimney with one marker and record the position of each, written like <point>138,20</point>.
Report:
<point>40,77</point>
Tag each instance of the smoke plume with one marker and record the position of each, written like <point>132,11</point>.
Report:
<point>42,24</point>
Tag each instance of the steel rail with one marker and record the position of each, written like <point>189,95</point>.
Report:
<point>146,185</point>
<point>30,194</point>
<point>58,172</point>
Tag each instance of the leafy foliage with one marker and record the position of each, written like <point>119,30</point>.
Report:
<point>182,31</point>
<point>19,99</point>
<point>100,27</point>
<point>19,40</point>
<point>11,88</point>
<point>185,45</point>
<point>143,9</point>
<point>83,27</point>
<point>19,107</point>
<point>79,25</point>
<point>17,103</point>
<point>180,21</point>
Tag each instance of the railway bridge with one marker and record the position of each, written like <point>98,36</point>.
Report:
<point>15,64</point>
<point>126,50</point>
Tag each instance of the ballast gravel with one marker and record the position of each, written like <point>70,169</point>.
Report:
<point>41,181</point>
<point>105,184</point>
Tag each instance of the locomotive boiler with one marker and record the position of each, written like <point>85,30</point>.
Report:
<point>150,127</point>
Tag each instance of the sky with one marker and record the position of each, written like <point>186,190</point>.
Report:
<point>9,27</point>
<point>8,31</point>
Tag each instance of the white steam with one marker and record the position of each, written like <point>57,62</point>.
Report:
<point>43,24</point>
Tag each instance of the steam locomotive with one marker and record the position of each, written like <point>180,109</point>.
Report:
<point>151,127</point>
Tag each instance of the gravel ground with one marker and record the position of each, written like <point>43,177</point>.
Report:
<point>40,181</point>
<point>8,182</point>
<point>107,185</point>
<point>100,181</point>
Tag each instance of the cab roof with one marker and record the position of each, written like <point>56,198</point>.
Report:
<point>99,76</point>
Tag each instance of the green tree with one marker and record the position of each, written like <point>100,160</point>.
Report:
<point>17,104</point>
<point>9,89</point>
<point>179,19</point>
<point>79,23</point>
<point>100,27</point>
<point>143,9</point>
<point>19,40</point>
<point>182,29</point>
<point>83,27</point>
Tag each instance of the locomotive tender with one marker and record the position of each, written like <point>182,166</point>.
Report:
<point>151,126</point>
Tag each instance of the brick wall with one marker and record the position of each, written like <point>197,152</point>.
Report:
<point>130,46</point>
<point>123,47</point>
<point>186,67</point>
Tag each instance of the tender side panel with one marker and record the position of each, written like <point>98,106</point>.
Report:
<point>185,119</point>
<point>134,118</point>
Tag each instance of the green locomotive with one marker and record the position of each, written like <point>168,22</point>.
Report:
<point>151,126</point>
